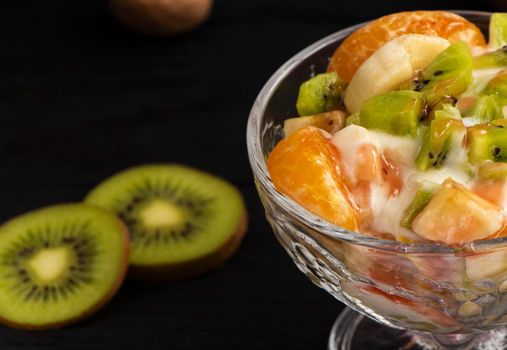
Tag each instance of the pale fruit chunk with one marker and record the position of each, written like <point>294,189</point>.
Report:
<point>329,121</point>
<point>456,215</point>
<point>469,309</point>
<point>392,64</point>
<point>481,266</point>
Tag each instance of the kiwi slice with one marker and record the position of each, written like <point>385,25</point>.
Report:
<point>395,112</point>
<point>421,198</point>
<point>440,105</point>
<point>498,30</point>
<point>497,58</point>
<point>59,264</point>
<point>445,133</point>
<point>449,74</point>
<point>488,141</point>
<point>182,221</point>
<point>322,93</point>
<point>352,119</point>
<point>485,108</point>
<point>497,87</point>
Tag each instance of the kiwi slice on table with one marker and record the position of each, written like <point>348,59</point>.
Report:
<point>60,264</point>
<point>182,221</point>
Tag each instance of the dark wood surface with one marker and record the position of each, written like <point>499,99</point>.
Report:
<point>82,98</point>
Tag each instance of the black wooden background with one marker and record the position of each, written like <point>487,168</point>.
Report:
<point>81,98</point>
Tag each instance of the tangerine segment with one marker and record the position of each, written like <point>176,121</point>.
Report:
<point>305,167</point>
<point>366,40</point>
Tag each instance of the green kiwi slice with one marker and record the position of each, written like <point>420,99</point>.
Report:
<point>322,93</point>
<point>420,200</point>
<point>448,75</point>
<point>182,221</point>
<point>395,112</point>
<point>445,133</point>
<point>59,264</point>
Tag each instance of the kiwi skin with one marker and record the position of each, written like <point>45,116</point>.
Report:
<point>94,308</point>
<point>188,269</point>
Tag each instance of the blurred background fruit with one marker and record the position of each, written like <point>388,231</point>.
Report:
<point>161,17</point>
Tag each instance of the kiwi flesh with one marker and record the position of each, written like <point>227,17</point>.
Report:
<point>322,93</point>
<point>352,119</point>
<point>60,264</point>
<point>497,87</point>
<point>421,198</point>
<point>497,58</point>
<point>485,108</point>
<point>488,141</point>
<point>449,74</point>
<point>442,105</point>
<point>479,144</point>
<point>498,30</point>
<point>182,221</point>
<point>445,133</point>
<point>395,112</point>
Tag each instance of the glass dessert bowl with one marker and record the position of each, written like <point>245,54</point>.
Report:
<point>445,296</point>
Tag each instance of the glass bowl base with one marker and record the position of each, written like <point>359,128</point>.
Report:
<point>353,331</point>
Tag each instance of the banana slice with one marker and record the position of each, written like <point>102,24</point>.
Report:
<point>392,64</point>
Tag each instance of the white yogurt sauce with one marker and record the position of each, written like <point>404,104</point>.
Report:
<point>387,210</point>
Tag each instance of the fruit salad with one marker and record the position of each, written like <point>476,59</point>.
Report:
<point>405,138</point>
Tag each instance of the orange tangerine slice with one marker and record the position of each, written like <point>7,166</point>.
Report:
<point>305,167</point>
<point>366,40</point>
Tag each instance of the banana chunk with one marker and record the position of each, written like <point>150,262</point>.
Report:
<point>393,63</point>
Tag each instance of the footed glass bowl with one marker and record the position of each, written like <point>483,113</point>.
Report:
<point>444,297</point>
